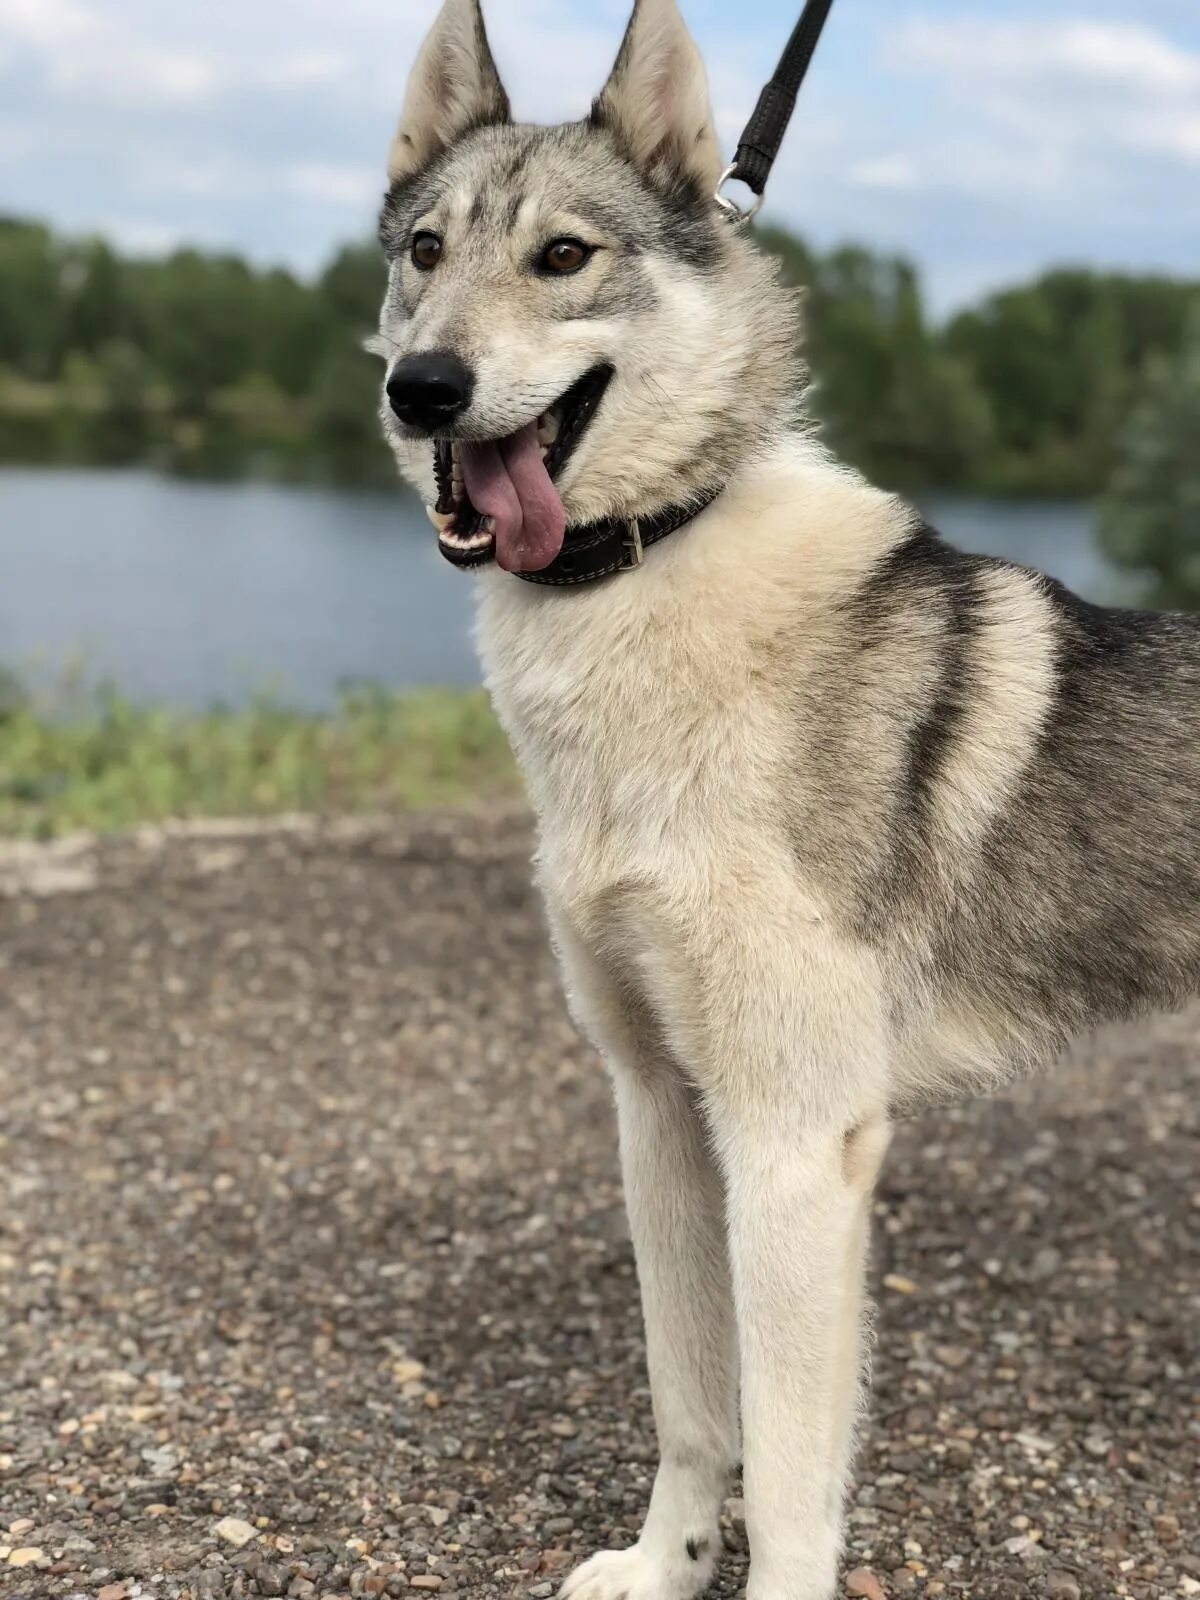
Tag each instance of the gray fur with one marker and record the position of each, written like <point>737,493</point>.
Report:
<point>832,817</point>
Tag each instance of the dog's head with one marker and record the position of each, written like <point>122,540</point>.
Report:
<point>572,328</point>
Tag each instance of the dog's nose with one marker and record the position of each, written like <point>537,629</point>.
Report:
<point>428,391</point>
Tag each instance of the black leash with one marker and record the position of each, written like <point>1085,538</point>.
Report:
<point>760,143</point>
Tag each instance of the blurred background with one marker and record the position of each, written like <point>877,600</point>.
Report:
<point>996,208</point>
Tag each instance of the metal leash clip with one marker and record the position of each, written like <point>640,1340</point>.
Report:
<point>737,214</point>
<point>764,133</point>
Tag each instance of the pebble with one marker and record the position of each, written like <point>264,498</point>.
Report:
<point>1061,1586</point>
<point>898,1283</point>
<point>235,1532</point>
<point>27,1556</point>
<point>864,1585</point>
<point>327,1160</point>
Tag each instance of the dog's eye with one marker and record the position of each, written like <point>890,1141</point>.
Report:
<point>426,251</point>
<point>565,255</point>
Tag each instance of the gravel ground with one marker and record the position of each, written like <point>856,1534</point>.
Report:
<point>315,1275</point>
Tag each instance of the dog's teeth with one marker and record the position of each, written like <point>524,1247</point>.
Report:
<point>454,451</point>
<point>440,519</point>
<point>548,429</point>
<point>489,526</point>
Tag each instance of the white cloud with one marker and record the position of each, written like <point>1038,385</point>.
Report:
<point>335,185</point>
<point>1128,55</point>
<point>1069,87</point>
<point>82,50</point>
<point>306,69</point>
<point>884,172</point>
<point>47,23</point>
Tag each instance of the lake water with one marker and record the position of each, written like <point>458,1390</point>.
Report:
<point>193,594</point>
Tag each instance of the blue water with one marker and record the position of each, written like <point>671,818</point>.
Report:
<point>193,594</point>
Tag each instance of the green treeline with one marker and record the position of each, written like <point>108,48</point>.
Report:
<point>201,363</point>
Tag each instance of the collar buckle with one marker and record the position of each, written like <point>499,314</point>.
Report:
<point>635,553</point>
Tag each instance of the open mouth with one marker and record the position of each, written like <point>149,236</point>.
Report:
<point>497,498</point>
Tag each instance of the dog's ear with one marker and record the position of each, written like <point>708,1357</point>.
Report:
<point>454,86</point>
<point>656,101</point>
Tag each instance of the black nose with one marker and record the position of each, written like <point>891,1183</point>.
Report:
<point>428,391</point>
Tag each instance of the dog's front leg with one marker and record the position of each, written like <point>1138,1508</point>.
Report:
<point>675,1201</point>
<point>799,1198</point>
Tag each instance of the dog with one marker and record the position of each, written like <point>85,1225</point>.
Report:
<point>832,817</point>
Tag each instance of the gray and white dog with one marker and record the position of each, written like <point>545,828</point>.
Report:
<point>832,817</point>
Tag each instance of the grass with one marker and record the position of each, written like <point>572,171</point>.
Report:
<point>98,762</point>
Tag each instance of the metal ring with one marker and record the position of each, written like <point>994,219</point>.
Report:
<point>735,213</point>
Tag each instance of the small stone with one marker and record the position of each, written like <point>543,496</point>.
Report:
<point>541,1591</point>
<point>425,1580</point>
<point>408,1371</point>
<point>1062,1586</point>
<point>235,1532</point>
<point>899,1284</point>
<point>27,1556</point>
<point>112,1591</point>
<point>862,1582</point>
<point>952,1355</point>
<point>21,1525</point>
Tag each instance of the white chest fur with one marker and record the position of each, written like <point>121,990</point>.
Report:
<point>650,712</point>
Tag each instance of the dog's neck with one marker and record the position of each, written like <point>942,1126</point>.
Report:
<point>613,545</point>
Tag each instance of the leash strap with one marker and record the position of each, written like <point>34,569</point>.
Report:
<point>764,135</point>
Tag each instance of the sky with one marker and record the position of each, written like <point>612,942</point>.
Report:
<point>986,139</point>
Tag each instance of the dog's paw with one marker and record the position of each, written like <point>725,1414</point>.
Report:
<point>637,1574</point>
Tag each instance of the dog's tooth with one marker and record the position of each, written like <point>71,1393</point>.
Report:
<point>440,519</point>
<point>548,427</point>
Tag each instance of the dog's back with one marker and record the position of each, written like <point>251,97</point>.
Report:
<point>1070,733</point>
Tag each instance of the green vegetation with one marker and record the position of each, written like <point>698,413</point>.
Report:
<point>197,363</point>
<point>202,363</point>
<point>102,763</point>
<point>1150,520</point>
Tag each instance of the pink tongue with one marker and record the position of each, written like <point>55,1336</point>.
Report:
<point>507,480</point>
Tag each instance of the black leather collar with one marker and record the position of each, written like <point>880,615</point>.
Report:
<point>614,544</point>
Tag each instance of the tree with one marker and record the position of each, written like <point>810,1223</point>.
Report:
<point>1150,519</point>
<point>891,399</point>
